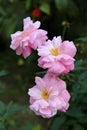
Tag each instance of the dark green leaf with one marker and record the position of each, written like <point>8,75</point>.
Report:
<point>78,127</point>
<point>61,4</point>
<point>26,127</point>
<point>83,119</point>
<point>83,76</point>
<point>72,9</point>
<point>67,6</point>
<point>2,11</point>
<point>83,82</point>
<point>64,127</point>
<point>13,109</point>
<point>82,39</point>
<point>79,64</point>
<point>2,108</point>
<point>71,122</point>
<point>12,122</point>
<point>74,112</point>
<point>3,72</point>
<point>57,123</point>
<point>2,126</point>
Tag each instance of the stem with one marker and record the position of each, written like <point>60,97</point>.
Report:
<point>50,123</point>
<point>64,30</point>
<point>33,18</point>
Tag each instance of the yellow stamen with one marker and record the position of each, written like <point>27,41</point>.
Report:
<point>45,94</point>
<point>54,51</point>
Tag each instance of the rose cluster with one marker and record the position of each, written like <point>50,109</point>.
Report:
<point>50,94</point>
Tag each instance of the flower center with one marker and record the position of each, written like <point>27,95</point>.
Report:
<point>54,51</point>
<point>45,94</point>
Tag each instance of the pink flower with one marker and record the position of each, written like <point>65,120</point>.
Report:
<point>30,38</point>
<point>57,56</point>
<point>49,95</point>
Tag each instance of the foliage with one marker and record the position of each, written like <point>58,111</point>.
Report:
<point>13,11</point>
<point>6,113</point>
<point>55,15</point>
<point>3,72</point>
<point>76,117</point>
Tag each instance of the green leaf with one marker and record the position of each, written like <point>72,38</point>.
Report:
<point>79,65</point>
<point>2,126</point>
<point>72,9</point>
<point>2,108</point>
<point>27,4</point>
<point>64,127</point>
<point>78,127</point>
<point>37,127</point>
<point>71,122</point>
<point>11,28</point>
<point>2,11</point>
<point>3,72</point>
<point>82,39</point>
<point>67,6</point>
<point>26,127</point>
<point>57,123</point>
<point>45,7</point>
<point>83,82</point>
<point>74,112</point>
<point>13,109</point>
<point>11,122</point>
<point>83,120</point>
<point>61,4</point>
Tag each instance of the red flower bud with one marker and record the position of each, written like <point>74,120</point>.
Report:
<point>36,12</point>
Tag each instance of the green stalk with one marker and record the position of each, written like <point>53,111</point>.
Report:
<point>64,31</point>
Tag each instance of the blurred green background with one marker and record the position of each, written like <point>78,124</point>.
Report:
<point>67,18</point>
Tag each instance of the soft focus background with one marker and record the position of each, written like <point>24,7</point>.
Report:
<point>67,18</point>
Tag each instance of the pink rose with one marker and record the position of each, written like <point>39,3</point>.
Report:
<point>30,38</point>
<point>57,56</point>
<point>49,95</point>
